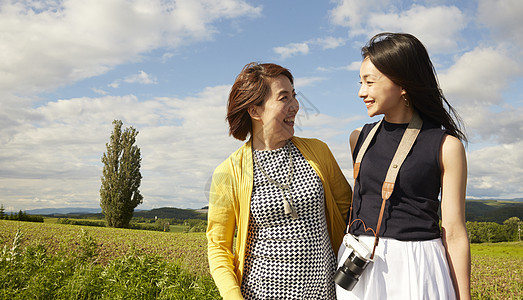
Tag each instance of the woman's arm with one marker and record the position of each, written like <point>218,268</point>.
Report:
<point>453,192</point>
<point>220,235</point>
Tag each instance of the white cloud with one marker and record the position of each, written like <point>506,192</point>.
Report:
<point>353,14</point>
<point>325,43</point>
<point>475,85</point>
<point>478,77</point>
<point>99,91</point>
<point>56,157</point>
<point>503,17</point>
<point>353,66</point>
<point>51,44</point>
<point>488,177</point>
<point>291,50</point>
<point>483,124</point>
<point>141,77</point>
<point>437,27</point>
<point>53,150</point>
<point>48,193</point>
<point>320,125</point>
<point>330,42</point>
<point>302,82</point>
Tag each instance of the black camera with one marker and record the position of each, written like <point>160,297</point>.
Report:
<point>358,259</point>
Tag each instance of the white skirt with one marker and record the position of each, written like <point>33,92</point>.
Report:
<point>401,270</point>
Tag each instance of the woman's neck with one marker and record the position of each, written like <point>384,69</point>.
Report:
<point>260,143</point>
<point>401,117</point>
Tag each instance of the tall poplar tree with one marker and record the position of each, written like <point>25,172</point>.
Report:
<point>121,178</point>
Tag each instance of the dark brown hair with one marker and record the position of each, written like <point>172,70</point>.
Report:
<point>404,60</point>
<point>250,88</point>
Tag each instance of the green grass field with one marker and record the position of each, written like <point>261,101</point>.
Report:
<point>172,228</point>
<point>177,228</point>
<point>496,268</point>
<point>188,249</point>
<point>506,250</point>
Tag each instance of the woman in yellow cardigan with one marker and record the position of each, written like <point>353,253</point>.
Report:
<point>284,198</point>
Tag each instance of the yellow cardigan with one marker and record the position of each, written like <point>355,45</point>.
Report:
<point>229,209</point>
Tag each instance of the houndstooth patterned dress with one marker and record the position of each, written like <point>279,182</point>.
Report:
<point>288,258</point>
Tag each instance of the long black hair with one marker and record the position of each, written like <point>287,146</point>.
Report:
<point>404,60</point>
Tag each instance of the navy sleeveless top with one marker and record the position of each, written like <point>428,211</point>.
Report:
<point>411,212</point>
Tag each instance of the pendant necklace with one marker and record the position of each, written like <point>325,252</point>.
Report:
<point>288,203</point>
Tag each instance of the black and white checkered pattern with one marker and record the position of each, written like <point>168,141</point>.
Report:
<point>288,258</point>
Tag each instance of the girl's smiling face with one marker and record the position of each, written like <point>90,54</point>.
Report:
<point>379,93</point>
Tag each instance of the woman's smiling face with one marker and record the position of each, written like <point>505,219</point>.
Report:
<point>380,94</point>
<point>278,112</point>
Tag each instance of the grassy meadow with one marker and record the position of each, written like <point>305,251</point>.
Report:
<point>80,262</point>
<point>497,270</point>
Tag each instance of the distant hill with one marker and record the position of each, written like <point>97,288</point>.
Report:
<point>63,210</point>
<point>476,210</point>
<point>170,212</point>
<point>96,213</point>
<point>493,210</point>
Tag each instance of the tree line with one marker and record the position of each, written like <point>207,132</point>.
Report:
<point>479,232</point>
<point>20,216</point>
<point>491,232</point>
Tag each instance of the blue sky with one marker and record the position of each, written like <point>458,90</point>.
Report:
<point>69,68</point>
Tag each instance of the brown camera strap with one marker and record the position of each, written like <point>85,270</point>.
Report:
<point>407,140</point>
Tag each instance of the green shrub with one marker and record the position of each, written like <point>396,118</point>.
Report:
<point>32,273</point>
<point>87,248</point>
<point>513,227</point>
<point>486,232</point>
<point>146,226</point>
<point>97,223</point>
<point>195,225</point>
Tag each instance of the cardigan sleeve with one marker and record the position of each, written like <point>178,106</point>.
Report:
<point>340,188</point>
<point>338,193</point>
<point>341,194</point>
<point>220,233</point>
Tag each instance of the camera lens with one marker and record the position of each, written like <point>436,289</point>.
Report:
<point>347,275</point>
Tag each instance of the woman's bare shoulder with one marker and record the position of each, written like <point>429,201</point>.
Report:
<point>353,138</point>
